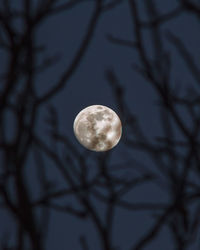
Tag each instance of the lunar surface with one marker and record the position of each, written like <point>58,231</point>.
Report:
<point>98,128</point>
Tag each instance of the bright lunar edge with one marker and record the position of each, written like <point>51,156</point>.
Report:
<point>98,128</point>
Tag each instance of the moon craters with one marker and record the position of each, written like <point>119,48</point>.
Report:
<point>98,128</point>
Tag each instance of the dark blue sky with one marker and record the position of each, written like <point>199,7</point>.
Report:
<point>62,35</point>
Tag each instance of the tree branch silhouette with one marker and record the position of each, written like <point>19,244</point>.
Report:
<point>174,153</point>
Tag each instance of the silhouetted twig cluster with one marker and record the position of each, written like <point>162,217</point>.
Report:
<point>175,153</point>
<point>179,142</point>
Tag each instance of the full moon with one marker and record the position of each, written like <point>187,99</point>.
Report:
<point>98,128</point>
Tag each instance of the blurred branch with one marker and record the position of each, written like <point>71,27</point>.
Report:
<point>121,42</point>
<point>66,6</point>
<point>84,243</point>
<point>79,55</point>
<point>151,234</point>
<point>112,4</point>
<point>186,56</point>
<point>68,209</point>
<point>191,7</point>
<point>163,18</point>
<point>129,205</point>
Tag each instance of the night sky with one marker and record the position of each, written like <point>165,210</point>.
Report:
<point>61,34</point>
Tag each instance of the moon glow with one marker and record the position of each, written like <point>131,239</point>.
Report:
<point>97,128</point>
